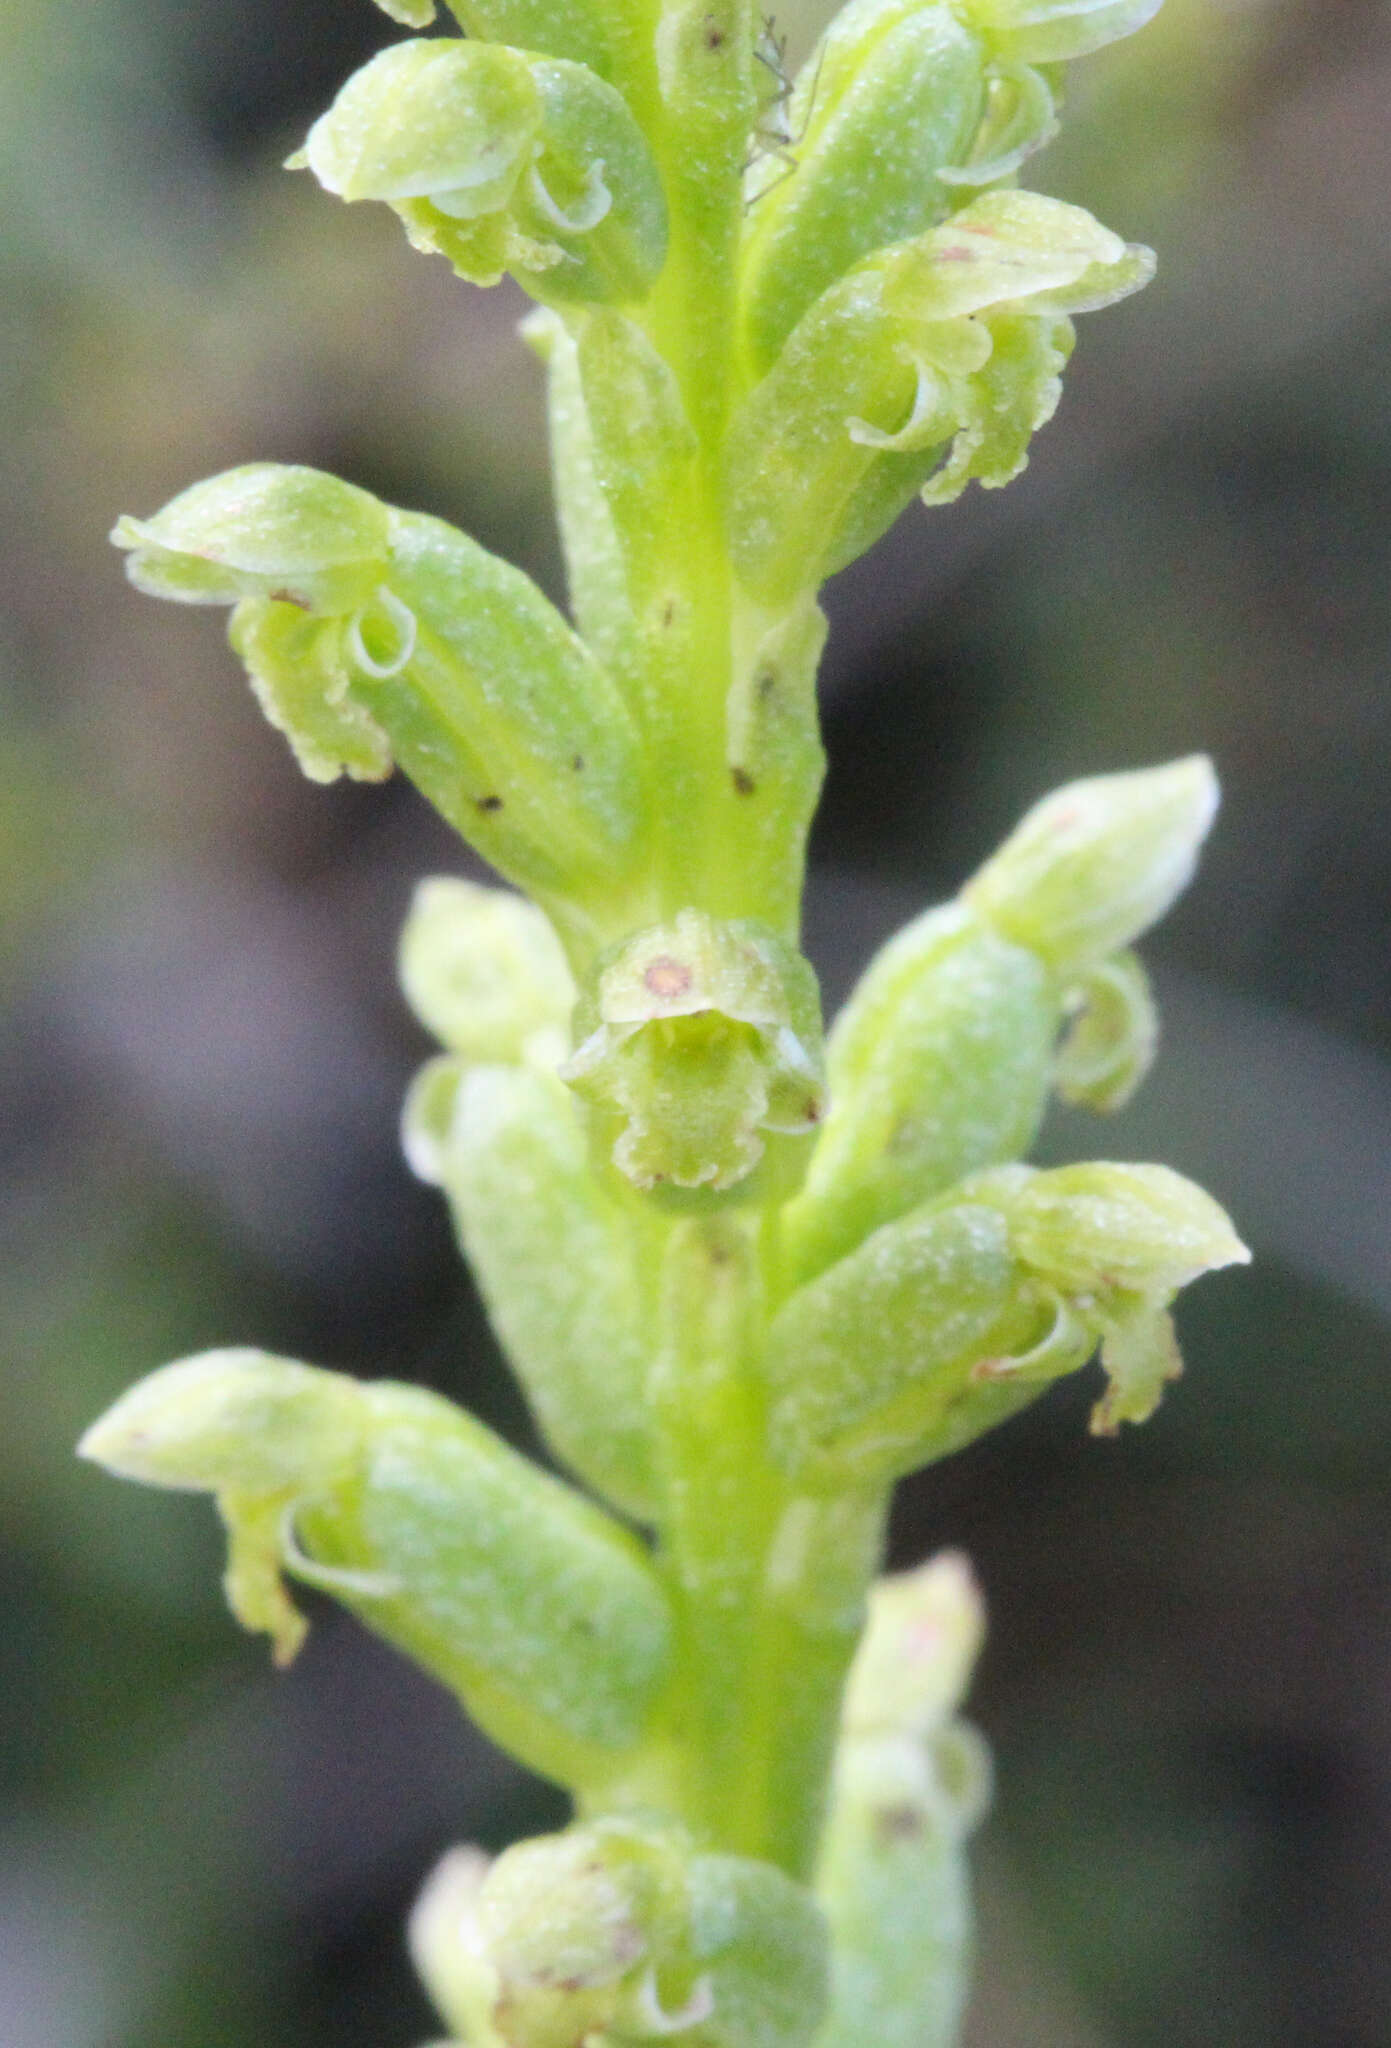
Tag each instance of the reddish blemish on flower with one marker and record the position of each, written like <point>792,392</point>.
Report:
<point>667,978</point>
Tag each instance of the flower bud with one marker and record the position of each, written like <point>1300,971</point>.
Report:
<point>504,720</point>
<point>1097,862</point>
<point>696,1038</point>
<point>870,1368</point>
<point>939,1064</point>
<point>920,1645</point>
<point>910,1785</point>
<point>554,1260</point>
<point>483,970</point>
<point>619,1931</point>
<point>266,530</point>
<point>500,159</point>
<point>1110,1042</point>
<point>1043,31</point>
<point>536,1608</point>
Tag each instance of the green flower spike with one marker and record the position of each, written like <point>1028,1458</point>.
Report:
<point>746,1282</point>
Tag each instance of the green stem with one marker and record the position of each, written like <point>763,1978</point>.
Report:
<point>769,1587</point>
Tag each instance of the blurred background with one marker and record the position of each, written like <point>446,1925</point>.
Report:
<point>1188,1683</point>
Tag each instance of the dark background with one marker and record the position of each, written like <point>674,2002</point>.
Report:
<point>1188,1682</point>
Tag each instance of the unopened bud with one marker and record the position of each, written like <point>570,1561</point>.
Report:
<point>1098,862</point>
<point>1043,31</point>
<point>911,1782</point>
<point>483,970</point>
<point>939,1065</point>
<point>920,1645</point>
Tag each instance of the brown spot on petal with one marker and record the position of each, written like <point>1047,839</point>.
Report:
<point>488,803</point>
<point>991,1368</point>
<point>743,782</point>
<point>667,978</point>
<point>898,1823</point>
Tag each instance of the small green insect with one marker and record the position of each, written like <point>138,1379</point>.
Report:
<point>773,134</point>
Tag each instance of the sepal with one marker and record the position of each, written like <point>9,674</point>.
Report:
<point>698,1038</point>
<point>268,529</point>
<point>620,1931</point>
<point>1098,862</point>
<point>555,1260</point>
<point>500,159</point>
<point>1043,31</point>
<point>939,1064</point>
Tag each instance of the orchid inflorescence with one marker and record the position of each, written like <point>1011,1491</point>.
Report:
<point>747,1277</point>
